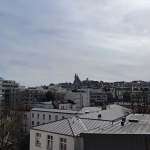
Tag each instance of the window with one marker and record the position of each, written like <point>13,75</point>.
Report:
<point>43,116</point>
<point>25,116</point>
<point>37,123</point>
<point>49,142</point>
<point>63,117</point>
<point>32,115</point>
<point>49,117</point>
<point>63,144</point>
<point>56,117</point>
<point>38,116</point>
<point>32,123</point>
<point>38,139</point>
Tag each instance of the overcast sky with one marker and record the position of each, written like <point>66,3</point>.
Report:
<point>48,41</point>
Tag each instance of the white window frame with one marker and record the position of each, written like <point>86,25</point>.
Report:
<point>38,139</point>
<point>32,115</point>
<point>32,123</point>
<point>49,142</point>
<point>63,144</point>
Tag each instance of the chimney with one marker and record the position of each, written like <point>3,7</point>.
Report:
<point>99,116</point>
<point>122,123</point>
<point>124,119</point>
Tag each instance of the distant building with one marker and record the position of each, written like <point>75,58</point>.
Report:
<point>31,94</point>
<point>8,90</point>
<point>64,104</point>
<point>81,98</point>
<point>76,80</point>
<point>98,97</point>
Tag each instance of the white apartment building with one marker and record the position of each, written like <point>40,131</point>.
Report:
<point>81,98</point>
<point>63,134</point>
<point>41,115</point>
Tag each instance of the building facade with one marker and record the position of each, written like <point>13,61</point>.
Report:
<point>43,140</point>
<point>8,90</point>
<point>41,116</point>
<point>81,98</point>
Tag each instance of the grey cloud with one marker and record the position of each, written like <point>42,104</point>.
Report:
<point>48,41</point>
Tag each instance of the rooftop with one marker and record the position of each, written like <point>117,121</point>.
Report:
<point>71,127</point>
<point>55,110</point>
<point>85,123</point>
<point>46,103</point>
<point>112,113</point>
<point>89,109</point>
<point>140,127</point>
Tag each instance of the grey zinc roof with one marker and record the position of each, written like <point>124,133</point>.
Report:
<point>91,109</point>
<point>55,110</point>
<point>140,127</point>
<point>112,113</point>
<point>71,127</point>
<point>61,127</point>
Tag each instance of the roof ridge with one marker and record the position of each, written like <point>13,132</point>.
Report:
<point>70,127</point>
<point>82,124</point>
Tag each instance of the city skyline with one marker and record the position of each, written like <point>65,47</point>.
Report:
<point>48,41</point>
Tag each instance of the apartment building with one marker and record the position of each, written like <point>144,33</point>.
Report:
<point>8,90</point>
<point>81,98</point>
<point>62,134</point>
<point>65,134</point>
<point>41,115</point>
<point>98,97</point>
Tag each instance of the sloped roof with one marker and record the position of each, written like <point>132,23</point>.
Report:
<point>113,113</point>
<point>71,127</point>
<point>91,109</point>
<point>140,127</point>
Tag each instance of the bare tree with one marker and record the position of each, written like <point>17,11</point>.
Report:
<point>10,126</point>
